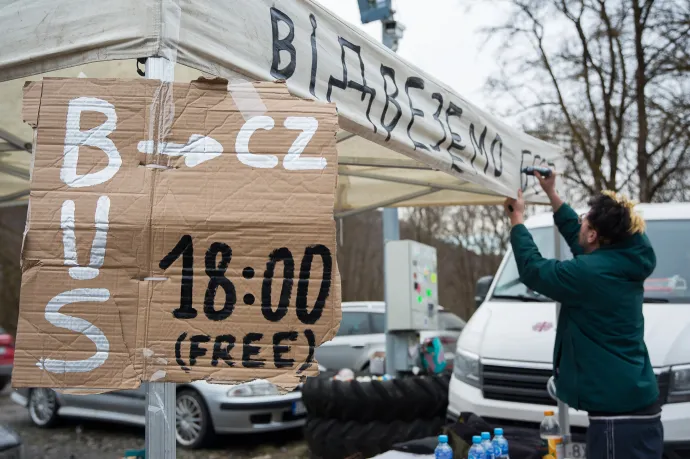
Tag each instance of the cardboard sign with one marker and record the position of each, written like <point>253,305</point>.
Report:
<point>175,233</point>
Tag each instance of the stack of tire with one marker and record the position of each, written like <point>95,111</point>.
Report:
<point>346,418</point>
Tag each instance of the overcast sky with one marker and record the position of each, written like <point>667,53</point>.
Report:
<point>442,37</point>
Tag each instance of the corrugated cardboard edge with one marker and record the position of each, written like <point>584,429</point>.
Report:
<point>32,102</point>
<point>33,90</point>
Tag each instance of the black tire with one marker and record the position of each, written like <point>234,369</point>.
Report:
<point>4,381</point>
<point>332,439</point>
<point>43,407</point>
<point>404,399</point>
<point>198,415</point>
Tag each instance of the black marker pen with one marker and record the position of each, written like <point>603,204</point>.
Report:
<point>543,171</point>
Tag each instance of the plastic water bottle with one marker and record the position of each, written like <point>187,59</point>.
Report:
<point>477,450</point>
<point>443,450</point>
<point>488,447</point>
<point>500,444</point>
<point>551,437</point>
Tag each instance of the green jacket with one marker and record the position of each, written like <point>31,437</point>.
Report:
<point>600,359</point>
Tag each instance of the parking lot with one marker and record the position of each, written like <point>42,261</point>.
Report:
<point>76,439</point>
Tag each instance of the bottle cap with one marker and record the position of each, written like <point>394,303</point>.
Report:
<point>443,438</point>
<point>476,439</point>
<point>498,431</point>
<point>486,436</point>
<point>548,413</point>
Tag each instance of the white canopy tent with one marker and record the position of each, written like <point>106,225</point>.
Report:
<point>407,139</point>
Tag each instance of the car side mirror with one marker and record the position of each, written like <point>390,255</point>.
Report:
<point>482,289</point>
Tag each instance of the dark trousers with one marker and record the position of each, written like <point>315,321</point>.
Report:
<point>625,438</point>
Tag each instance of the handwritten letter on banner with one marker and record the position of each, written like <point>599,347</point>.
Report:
<point>174,237</point>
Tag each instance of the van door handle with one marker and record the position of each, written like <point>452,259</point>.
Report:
<point>357,346</point>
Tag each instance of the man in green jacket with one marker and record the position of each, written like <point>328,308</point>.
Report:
<point>601,363</point>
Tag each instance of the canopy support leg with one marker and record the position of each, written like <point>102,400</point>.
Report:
<point>391,232</point>
<point>161,442</point>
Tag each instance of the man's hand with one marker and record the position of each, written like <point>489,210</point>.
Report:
<point>548,184</point>
<point>515,209</point>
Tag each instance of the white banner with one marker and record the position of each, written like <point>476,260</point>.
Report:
<point>379,95</point>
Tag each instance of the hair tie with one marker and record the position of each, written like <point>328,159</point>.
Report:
<point>637,223</point>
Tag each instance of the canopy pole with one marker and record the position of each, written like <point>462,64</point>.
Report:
<point>391,232</point>
<point>386,203</point>
<point>380,162</point>
<point>161,441</point>
<point>391,225</point>
<point>563,408</point>
<point>404,181</point>
<point>15,141</point>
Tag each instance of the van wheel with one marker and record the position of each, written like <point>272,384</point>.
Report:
<point>43,407</point>
<point>3,382</point>
<point>193,427</point>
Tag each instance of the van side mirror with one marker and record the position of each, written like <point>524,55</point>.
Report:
<point>482,289</point>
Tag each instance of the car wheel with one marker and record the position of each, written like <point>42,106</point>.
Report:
<point>43,407</point>
<point>3,382</point>
<point>193,427</point>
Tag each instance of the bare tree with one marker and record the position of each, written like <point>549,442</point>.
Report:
<point>608,80</point>
<point>469,244</point>
<point>360,256</point>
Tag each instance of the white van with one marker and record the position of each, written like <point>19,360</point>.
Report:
<point>503,359</point>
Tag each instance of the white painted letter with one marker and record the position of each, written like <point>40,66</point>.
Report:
<point>69,240</point>
<point>96,137</point>
<point>197,150</point>
<point>308,126</point>
<point>53,315</point>
<point>242,143</point>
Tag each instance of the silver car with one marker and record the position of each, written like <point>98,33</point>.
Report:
<point>10,444</point>
<point>202,409</point>
<point>362,334</point>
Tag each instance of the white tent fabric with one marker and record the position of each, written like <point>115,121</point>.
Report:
<point>416,142</point>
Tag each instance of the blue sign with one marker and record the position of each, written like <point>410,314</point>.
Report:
<point>374,10</point>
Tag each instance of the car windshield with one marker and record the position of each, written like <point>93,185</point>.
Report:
<point>668,282</point>
<point>354,323</point>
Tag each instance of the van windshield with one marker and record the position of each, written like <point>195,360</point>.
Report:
<point>667,284</point>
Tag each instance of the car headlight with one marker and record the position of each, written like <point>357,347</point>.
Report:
<point>466,368</point>
<point>254,389</point>
<point>679,388</point>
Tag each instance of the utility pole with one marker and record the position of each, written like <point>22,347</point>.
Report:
<point>391,34</point>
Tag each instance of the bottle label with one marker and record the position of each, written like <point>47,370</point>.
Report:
<point>551,448</point>
<point>474,455</point>
<point>445,453</point>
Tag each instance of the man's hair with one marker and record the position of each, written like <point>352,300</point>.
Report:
<point>613,217</point>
